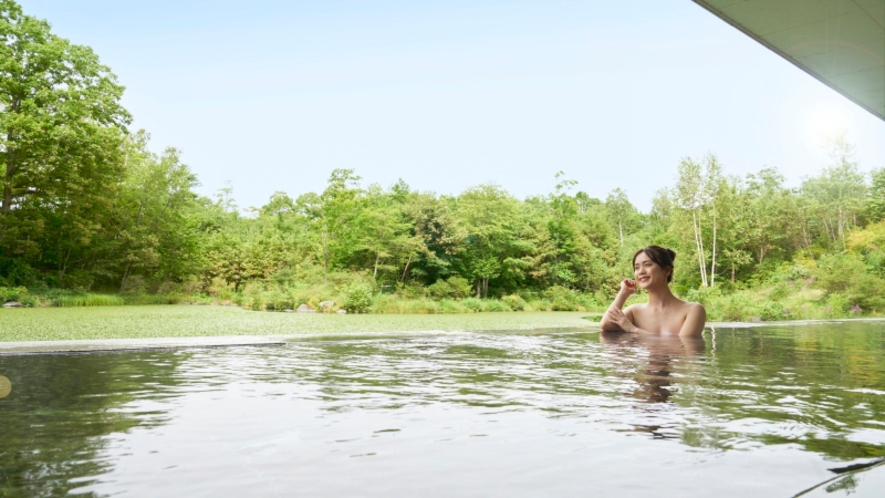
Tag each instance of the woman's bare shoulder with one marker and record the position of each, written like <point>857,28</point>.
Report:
<point>631,310</point>
<point>696,308</point>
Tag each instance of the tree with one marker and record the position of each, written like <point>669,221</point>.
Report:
<point>838,194</point>
<point>154,231</point>
<point>621,212</point>
<point>492,246</point>
<point>876,203</point>
<point>61,130</point>
<point>691,197</point>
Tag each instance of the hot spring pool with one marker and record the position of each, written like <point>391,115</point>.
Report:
<point>745,412</point>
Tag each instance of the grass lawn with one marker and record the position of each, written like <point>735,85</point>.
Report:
<point>127,322</point>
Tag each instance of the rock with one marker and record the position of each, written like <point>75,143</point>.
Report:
<point>288,310</point>
<point>305,309</point>
<point>341,312</point>
<point>327,305</point>
<point>12,304</point>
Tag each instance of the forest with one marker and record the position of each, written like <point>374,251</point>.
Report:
<point>91,214</point>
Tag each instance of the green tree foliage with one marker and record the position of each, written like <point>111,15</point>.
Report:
<point>86,204</point>
<point>61,130</point>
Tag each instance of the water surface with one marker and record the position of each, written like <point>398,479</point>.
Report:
<point>761,412</point>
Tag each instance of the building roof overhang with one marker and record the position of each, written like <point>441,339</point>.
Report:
<point>839,42</point>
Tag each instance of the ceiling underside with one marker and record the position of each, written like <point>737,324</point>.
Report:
<point>839,42</point>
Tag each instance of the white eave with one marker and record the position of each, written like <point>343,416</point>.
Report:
<point>839,42</point>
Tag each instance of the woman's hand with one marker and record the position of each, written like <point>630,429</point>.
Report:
<point>628,286</point>
<point>617,317</point>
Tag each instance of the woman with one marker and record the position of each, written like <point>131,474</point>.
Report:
<point>664,313</point>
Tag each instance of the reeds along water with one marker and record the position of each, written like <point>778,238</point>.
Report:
<point>88,299</point>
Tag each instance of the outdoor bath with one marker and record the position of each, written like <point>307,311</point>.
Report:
<point>764,411</point>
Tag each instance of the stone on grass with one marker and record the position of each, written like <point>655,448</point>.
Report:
<point>305,309</point>
<point>12,304</point>
<point>288,310</point>
<point>341,312</point>
<point>327,305</point>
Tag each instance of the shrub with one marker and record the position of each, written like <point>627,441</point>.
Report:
<point>411,291</point>
<point>561,298</point>
<point>515,302</point>
<point>440,289</point>
<point>452,288</point>
<point>472,304</point>
<point>17,273</point>
<point>731,308</point>
<point>12,294</point>
<point>495,305</point>
<point>461,288</point>
<point>847,276</point>
<point>451,306</point>
<point>838,305</point>
<point>419,306</point>
<point>773,310</point>
<point>539,305</point>
<point>358,298</point>
<point>590,303</point>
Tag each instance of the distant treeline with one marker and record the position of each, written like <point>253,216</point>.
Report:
<point>86,205</point>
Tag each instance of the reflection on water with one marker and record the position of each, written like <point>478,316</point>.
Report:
<point>764,411</point>
<point>654,384</point>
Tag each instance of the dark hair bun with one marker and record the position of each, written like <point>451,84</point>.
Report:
<point>671,253</point>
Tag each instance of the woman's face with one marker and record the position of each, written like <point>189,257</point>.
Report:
<point>648,273</point>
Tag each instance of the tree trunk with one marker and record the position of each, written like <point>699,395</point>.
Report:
<point>7,192</point>
<point>702,265</point>
<point>621,230</point>
<point>375,272</point>
<point>713,265</point>
<point>478,288</point>
<point>325,244</point>
<point>405,271</point>
<point>807,242</point>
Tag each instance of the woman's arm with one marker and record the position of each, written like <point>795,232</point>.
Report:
<point>614,319</point>
<point>618,320</point>
<point>694,321</point>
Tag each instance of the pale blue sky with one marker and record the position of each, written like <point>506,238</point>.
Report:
<point>273,95</point>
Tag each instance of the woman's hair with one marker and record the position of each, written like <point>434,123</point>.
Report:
<point>661,256</point>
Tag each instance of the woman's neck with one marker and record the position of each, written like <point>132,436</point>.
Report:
<point>660,297</point>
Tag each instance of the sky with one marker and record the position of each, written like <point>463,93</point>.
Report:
<point>265,96</point>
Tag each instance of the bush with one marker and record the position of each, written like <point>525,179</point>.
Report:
<point>17,273</point>
<point>440,290</point>
<point>774,310</point>
<point>18,294</point>
<point>359,298</point>
<point>732,308</point>
<point>472,304</point>
<point>451,306</point>
<point>846,276</point>
<point>561,298</point>
<point>539,305</point>
<point>515,302</point>
<point>495,305</point>
<point>838,305</point>
<point>452,288</point>
<point>411,291</point>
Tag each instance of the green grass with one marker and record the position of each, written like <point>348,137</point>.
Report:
<point>121,322</point>
<point>88,299</point>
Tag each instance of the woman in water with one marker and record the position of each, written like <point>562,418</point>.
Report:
<point>664,313</point>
